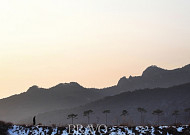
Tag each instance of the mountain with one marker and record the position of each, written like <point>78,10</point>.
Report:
<point>37,100</point>
<point>166,99</point>
<point>155,77</point>
<point>69,95</point>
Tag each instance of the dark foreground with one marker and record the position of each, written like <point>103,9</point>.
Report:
<point>8,129</point>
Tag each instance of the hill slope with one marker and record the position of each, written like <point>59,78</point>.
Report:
<point>37,100</point>
<point>166,99</point>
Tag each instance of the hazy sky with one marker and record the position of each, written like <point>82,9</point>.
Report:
<point>92,42</point>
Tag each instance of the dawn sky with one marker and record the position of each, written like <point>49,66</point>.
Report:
<point>92,42</point>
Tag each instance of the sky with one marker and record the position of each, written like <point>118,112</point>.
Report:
<point>92,42</point>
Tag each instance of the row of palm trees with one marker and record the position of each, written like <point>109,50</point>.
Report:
<point>124,113</point>
<point>159,113</point>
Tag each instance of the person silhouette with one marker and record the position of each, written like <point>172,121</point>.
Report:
<point>34,120</point>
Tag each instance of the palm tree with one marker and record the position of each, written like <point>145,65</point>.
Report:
<point>158,112</point>
<point>124,113</point>
<point>175,113</point>
<point>187,110</point>
<point>106,113</point>
<point>141,110</point>
<point>72,116</point>
<point>87,113</point>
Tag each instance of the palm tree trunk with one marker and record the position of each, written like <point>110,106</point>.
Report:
<point>141,118</point>
<point>106,118</point>
<point>176,119</point>
<point>158,120</point>
<point>88,119</point>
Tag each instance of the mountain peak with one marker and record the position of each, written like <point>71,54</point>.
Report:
<point>33,88</point>
<point>71,84</point>
<point>122,80</point>
<point>153,67</point>
<point>151,70</point>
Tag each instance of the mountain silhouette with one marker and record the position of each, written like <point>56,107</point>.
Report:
<point>155,77</point>
<point>36,100</point>
<point>166,99</point>
<point>70,95</point>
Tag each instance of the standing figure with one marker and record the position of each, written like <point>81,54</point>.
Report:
<point>34,120</point>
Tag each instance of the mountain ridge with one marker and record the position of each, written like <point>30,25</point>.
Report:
<point>154,76</point>
<point>68,95</point>
<point>167,99</point>
<point>149,70</point>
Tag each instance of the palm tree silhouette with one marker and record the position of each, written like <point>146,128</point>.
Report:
<point>158,112</point>
<point>72,117</point>
<point>124,113</point>
<point>87,113</point>
<point>175,113</point>
<point>141,110</point>
<point>106,113</point>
